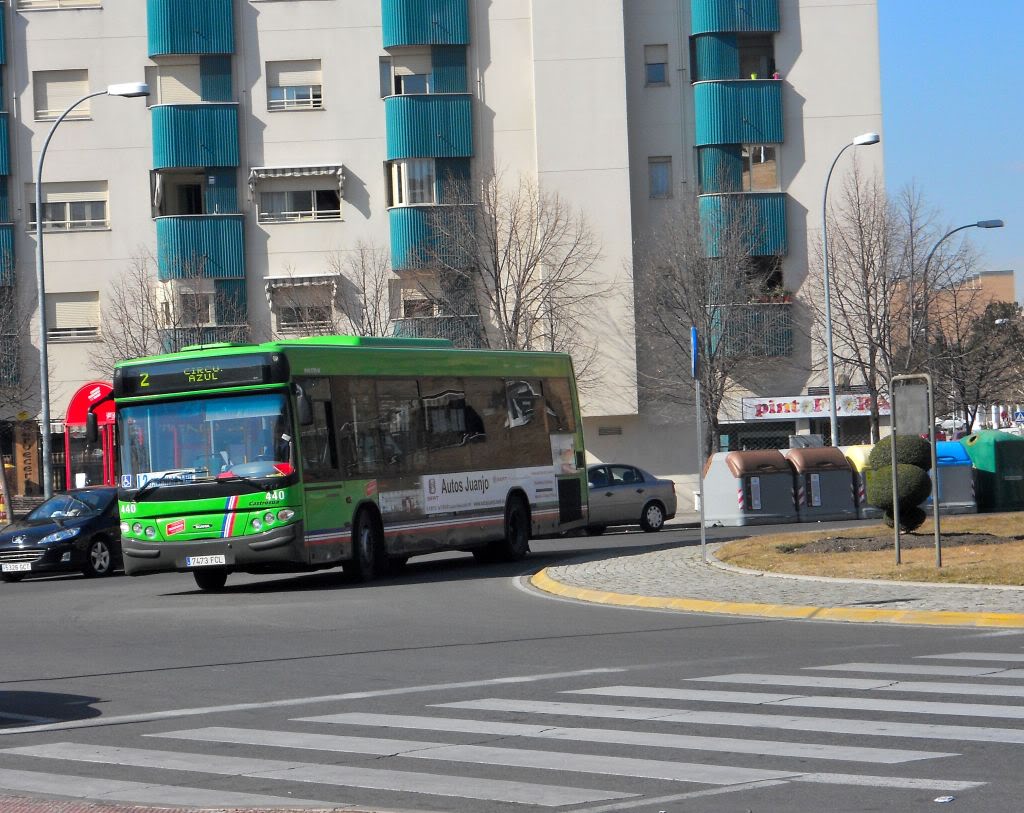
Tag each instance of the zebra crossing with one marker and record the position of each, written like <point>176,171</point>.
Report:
<point>611,745</point>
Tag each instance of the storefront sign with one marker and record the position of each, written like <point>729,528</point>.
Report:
<point>810,406</point>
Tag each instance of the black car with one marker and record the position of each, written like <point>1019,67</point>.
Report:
<point>73,531</point>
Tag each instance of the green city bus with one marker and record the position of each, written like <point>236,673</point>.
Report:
<point>311,453</point>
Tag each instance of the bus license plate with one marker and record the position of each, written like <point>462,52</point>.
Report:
<point>203,561</point>
<point>16,567</point>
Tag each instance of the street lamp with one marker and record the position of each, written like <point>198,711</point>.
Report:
<point>126,89</point>
<point>863,140</point>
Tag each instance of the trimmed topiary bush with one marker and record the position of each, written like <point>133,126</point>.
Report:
<point>910,449</point>
<point>914,485</point>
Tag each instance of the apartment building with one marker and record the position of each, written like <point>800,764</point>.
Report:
<point>282,137</point>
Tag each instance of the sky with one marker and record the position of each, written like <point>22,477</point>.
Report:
<point>953,113</point>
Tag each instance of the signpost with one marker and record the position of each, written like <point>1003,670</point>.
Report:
<point>694,371</point>
<point>913,413</point>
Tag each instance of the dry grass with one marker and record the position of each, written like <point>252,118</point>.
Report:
<point>1001,563</point>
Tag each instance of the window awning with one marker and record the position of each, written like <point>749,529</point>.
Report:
<point>276,283</point>
<point>257,174</point>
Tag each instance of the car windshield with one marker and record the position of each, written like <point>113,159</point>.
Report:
<point>204,438</point>
<point>80,504</point>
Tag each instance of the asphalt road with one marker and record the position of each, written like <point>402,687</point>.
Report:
<point>148,691</point>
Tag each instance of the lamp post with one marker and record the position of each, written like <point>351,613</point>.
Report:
<point>126,89</point>
<point>981,224</point>
<point>863,140</point>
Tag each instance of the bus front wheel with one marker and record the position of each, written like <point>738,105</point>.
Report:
<point>368,559</point>
<point>213,578</point>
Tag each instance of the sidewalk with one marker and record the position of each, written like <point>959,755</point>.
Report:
<point>678,579</point>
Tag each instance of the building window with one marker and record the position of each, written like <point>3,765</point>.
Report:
<point>54,92</point>
<point>176,81</point>
<point>294,85</point>
<point>413,308</point>
<point>71,206</point>
<point>411,83</point>
<point>304,309</point>
<point>760,168</point>
<point>293,206</point>
<point>28,5</point>
<point>412,182</point>
<point>195,309</point>
<point>72,316</point>
<point>659,173</point>
<point>655,65</point>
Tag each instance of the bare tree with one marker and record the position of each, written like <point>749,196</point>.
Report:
<point>869,296</point>
<point>354,297</point>
<point>975,357</point>
<point>701,274</point>
<point>142,316</point>
<point>520,260</point>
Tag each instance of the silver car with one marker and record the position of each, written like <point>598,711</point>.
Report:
<point>626,495</point>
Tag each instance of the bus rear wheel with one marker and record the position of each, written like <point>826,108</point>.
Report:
<point>516,543</point>
<point>211,579</point>
<point>368,559</point>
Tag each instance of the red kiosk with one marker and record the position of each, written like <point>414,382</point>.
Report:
<point>90,464</point>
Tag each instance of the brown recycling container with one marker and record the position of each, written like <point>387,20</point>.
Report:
<point>824,484</point>
<point>748,488</point>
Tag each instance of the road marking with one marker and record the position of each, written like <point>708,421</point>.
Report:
<point>681,797</point>
<point>812,702</point>
<point>875,728</point>
<point>922,669</point>
<point>641,738</point>
<point>113,790</point>
<point>549,760</point>
<point>978,656</point>
<point>494,790</point>
<point>147,717</point>
<point>917,687</point>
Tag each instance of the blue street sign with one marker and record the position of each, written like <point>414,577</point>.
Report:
<point>1018,416</point>
<point>693,352</point>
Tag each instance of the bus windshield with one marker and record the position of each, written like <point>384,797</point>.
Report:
<point>205,438</point>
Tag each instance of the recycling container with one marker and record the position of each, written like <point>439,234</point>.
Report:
<point>824,484</point>
<point>998,460</point>
<point>955,481</point>
<point>858,457</point>
<point>748,488</point>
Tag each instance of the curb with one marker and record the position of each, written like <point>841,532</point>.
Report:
<point>544,582</point>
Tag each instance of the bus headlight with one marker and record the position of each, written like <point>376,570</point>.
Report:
<point>268,517</point>
<point>125,527</point>
<point>150,532</point>
<point>256,525</point>
<point>285,514</point>
<point>137,527</point>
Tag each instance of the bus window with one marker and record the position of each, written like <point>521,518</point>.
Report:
<point>449,424</point>
<point>399,426</point>
<point>558,403</point>
<point>525,421</point>
<point>316,441</point>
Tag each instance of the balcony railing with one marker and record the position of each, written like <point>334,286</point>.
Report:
<point>429,125</point>
<point>760,329</point>
<point>734,15</point>
<point>195,135</point>
<point>462,331</point>
<point>425,22</point>
<point>200,247</point>
<point>190,27</point>
<point>740,111</point>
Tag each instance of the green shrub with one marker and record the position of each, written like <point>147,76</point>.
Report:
<point>910,449</point>
<point>914,485</point>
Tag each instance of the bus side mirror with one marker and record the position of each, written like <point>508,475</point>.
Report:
<point>305,409</point>
<point>92,428</point>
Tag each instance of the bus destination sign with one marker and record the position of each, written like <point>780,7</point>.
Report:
<point>163,377</point>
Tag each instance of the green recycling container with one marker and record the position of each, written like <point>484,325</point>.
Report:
<point>998,460</point>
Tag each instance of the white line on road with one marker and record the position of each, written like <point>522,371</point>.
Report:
<point>918,687</point>
<point>801,750</point>
<point>493,790</point>
<point>114,790</point>
<point>146,717</point>
<point>812,701</point>
<point>978,656</point>
<point>550,760</point>
<point>872,728</point>
<point>921,669</point>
